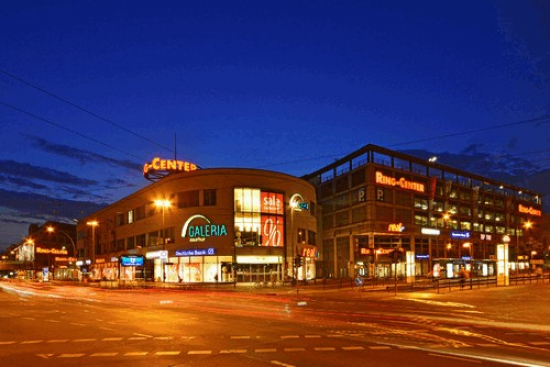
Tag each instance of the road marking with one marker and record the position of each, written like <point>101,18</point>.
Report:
<point>353,348</point>
<point>199,352</point>
<point>335,336</point>
<point>53,321</point>
<point>240,337</point>
<point>7,343</point>
<point>71,355</point>
<point>282,364</point>
<point>103,354</point>
<point>145,335</point>
<point>111,339</point>
<point>290,336</point>
<point>312,336</point>
<point>28,318</point>
<point>58,341</point>
<point>77,324</point>
<point>266,350</point>
<point>135,354</point>
<point>168,353</point>
<point>379,347</point>
<point>84,340</point>
<point>295,349</point>
<point>32,341</point>
<point>229,351</point>
<point>324,349</point>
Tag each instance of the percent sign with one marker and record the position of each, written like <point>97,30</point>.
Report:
<point>271,231</point>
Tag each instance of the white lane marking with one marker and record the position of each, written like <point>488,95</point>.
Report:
<point>168,353</point>
<point>163,337</point>
<point>135,354</point>
<point>77,324</point>
<point>230,351</point>
<point>71,355</point>
<point>145,335</point>
<point>111,339</point>
<point>199,352</point>
<point>312,336</point>
<point>84,340</point>
<point>240,337</point>
<point>58,341</point>
<point>32,341</point>
<point>104,354</point>
<point>539,343</point>
<point>324,349</point>
<point>52,321</point>
<point>353,348</point>
<point>379,347</point>
<point>290,336</point>
<point>295,349</point>
<point>266,350</point>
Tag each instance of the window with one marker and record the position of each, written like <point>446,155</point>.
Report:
<point>188,199</point>
<point>301,235</point>
<point>139,213</point>
<point>210,197</point>
<point>311,238</point>
<point>420,203</point>
<point>130,243</point>
<point>120,219</point>
<point>140,241</point>
<point>131,216</point>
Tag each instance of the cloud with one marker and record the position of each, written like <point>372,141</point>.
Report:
<point>37,206</point>
<point>28,171</point>
<point>22,182</point>
<point>83,156</point>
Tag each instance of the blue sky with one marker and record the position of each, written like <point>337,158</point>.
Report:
<point>283,85</point>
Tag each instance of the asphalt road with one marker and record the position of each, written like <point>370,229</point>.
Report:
<point>45,325</point>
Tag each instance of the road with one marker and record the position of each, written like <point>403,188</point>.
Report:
<point>46,325</point>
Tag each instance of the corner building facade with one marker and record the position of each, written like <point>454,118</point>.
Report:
<point>221,225</point>
<point>384,214</point>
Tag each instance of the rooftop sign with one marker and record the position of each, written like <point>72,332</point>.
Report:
<point>159,168</point>
<point>401,182</point>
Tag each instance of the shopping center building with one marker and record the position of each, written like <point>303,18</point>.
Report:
<point>383,213</point>
<point>202,226</point>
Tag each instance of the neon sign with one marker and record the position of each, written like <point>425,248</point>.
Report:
<point>54,251</point>
<point>159,168</point>
<point>396,227</point>
<point>529,210</point>
<point>199,233</point>
<point>402,182</point>
<point>460,234</point>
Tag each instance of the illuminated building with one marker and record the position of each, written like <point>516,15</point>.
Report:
<point>195,225</point>
<point>379,207</point>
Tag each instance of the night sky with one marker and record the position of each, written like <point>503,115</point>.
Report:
<point>91,90</point>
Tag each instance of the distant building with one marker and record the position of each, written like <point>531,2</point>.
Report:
<point>48,252</point>
<point>379,207</point>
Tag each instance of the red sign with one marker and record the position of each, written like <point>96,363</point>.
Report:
<point>273,230</point>
<point>272,203</point>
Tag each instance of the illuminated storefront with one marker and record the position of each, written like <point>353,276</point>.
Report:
<point>216,225</point>
<point>384,212</point>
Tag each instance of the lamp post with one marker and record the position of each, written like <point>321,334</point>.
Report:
<point>51,229</point>
<point>93,224</point>
<point>164,204</point>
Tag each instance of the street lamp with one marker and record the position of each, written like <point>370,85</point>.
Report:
<point>164,204</point>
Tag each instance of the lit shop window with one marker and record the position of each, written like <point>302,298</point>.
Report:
<point>259,217</point>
